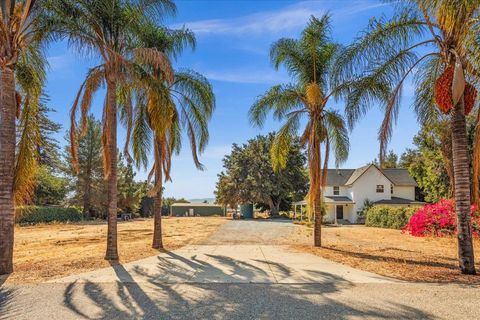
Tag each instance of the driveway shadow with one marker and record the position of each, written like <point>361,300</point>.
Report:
<point>156,299</point>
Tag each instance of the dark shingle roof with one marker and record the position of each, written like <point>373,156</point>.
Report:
<point>343,177</point>
<point>338,199</point>
<point>338,177</point>
<point>396,200</point>
<point>400,177</point>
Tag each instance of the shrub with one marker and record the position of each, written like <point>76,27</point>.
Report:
<point>439,220</point>
<point>388,217</point>
<point>36,214</point>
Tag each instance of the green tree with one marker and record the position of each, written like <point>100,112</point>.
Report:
<point>162,112</point>
<point>423,38</point>
<point>391,160</point>
<point>309,60</point>
<point>50,189</point>
<point>227,192</point>
<point>249,176</point>
<point>22,68</point>
<point>87,185</point>
<point>129,191</point>
<point>114,31</point>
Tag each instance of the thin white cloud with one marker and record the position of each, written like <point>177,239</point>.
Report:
<point>247,76</point>
<point>60,62</point>
<point>276,21</point>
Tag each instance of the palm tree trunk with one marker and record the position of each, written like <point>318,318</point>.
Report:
<point>462,189</point>
<point>7,163</point>
<point>317,214</point>
<point>157,213</point>
<point>111,118</point>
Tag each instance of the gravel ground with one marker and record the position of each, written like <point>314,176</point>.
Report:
<point>253,232</point>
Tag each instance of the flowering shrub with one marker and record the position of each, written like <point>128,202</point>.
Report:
<point>439,220</point>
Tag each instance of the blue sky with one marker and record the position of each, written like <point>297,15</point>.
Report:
<point>233,40</point>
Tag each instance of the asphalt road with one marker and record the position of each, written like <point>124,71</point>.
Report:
<point>237,279</point>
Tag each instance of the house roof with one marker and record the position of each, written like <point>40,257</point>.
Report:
<point>193,204</point>
<point>397,200</point>
<point>338,177</point>
<point>344,177</point>
<point>329,199</point>
<point>399,177</point>
<point>338,199</point>
<point>357,173</point>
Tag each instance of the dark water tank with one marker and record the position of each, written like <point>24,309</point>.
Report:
<point>247,210</point>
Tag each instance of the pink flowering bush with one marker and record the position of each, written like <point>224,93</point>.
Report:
<point>439,220</point>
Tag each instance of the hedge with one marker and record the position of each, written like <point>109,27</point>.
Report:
<point>388,217</point>
<point>37,214</point>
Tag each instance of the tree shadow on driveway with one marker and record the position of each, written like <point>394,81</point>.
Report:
<point>156,298</point>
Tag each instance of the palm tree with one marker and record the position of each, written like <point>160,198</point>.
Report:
<point>162,111</point>
<point>22,68</point>
<point>111,30</point>
<point>309,60</point>
<point>424,38</point>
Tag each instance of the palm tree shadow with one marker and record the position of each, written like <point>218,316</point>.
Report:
<point>7,296</point>
<point>186,299</point>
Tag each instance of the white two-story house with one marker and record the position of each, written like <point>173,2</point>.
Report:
<point>347,189</point>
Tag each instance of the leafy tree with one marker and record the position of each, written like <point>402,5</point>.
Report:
<point>22,63</point>
<point>50,189</point>
<point>162,112</point>
<point>391,160</point>
<point>249,176</point>
<point>88,186</point>
<point>423,38</point>
<point>113,31</point>
<point>309,60</point>
<point>130,192</point>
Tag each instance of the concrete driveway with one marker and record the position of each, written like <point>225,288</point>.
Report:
<point>236,274</point>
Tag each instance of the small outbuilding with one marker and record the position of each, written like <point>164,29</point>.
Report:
<point>193,209</point>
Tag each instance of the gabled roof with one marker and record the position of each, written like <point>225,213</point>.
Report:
<point>345,177</point>
<point>357,174</point>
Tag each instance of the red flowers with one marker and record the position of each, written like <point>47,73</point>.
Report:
<point>439,220</point>
<point>443,92</point>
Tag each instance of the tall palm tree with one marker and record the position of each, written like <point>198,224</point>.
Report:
<point>309,60</point>
<point>423,38</point>
<point>162,111</point>
<point>22,68</point>
<point>111,30</point>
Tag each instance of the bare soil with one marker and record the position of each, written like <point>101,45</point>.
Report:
<point>388,252</point>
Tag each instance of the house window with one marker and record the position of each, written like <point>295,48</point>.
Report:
<point>336,190</point>
<point>391,189</point>
<point>380,188</point>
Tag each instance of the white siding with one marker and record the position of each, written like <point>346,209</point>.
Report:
<point>344,191</point>
<point>404,192</point>
<point>365,188</point>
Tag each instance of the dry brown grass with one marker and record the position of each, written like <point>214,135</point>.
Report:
<point>45,252</point>
<point>389,252</point>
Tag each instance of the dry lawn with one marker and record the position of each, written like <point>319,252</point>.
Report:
<point>389,252</point>
<point>45,252</point>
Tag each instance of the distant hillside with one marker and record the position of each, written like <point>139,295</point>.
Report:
<point>209,200</point>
